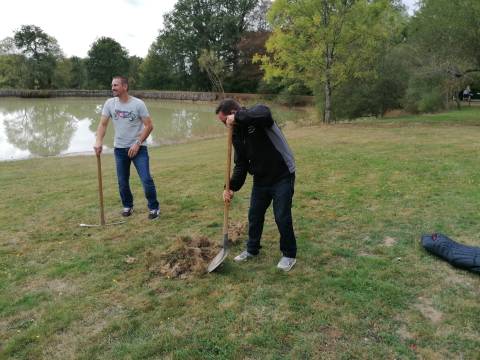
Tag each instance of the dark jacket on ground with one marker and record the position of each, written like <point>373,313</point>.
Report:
<point>260,149</point>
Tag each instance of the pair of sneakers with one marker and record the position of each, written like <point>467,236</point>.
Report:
<point>152,214</point>
<point>285,263</point>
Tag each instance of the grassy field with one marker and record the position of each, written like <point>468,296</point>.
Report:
<point>363,287</point>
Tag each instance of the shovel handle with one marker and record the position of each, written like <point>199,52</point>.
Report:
<point>100,189</point>
<point>227,181</point>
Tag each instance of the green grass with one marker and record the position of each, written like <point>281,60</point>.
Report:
<point>363,287</point>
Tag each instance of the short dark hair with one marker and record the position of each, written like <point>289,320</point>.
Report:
<point>226,106</point>
<point>123,79</point>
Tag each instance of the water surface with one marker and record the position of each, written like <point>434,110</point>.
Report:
<point>66,126</point>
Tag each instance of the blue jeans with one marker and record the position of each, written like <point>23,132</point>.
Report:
<point>141,162</point>
<point>281,193</point>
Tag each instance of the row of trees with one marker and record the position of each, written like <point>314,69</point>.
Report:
<point>362,57</point>
<point>227,34</point>
<point>358,57</point>
<point>32,59</point>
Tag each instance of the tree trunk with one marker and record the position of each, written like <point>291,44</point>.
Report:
<point>328,103</point>
<point>327,118</point>
<point>327,111</point>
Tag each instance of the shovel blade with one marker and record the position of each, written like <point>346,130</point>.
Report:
<point>217,260</point>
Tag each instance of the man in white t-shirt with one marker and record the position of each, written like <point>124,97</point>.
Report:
<point>132,124</point>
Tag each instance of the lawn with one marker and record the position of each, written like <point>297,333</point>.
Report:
<point>362,288</point>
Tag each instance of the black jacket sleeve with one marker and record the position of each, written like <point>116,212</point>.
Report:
<point>259,116</point>
<point>240,169</point>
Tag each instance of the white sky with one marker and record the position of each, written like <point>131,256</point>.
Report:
<point>76,24</point>
<point>411,5</point>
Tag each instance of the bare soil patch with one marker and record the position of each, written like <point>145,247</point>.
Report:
<point>425,306</point>
<point>189,256</point>
<point>389,241</point>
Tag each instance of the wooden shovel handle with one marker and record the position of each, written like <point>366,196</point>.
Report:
<point>227,177</point>
<point>100,189</point>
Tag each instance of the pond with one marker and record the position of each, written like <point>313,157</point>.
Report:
<point>66,126</point>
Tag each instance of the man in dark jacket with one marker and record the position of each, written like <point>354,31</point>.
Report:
<point>261,150</point>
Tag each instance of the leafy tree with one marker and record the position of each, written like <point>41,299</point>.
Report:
<point>13,68</point>
<point>162,68</point>
<point>7,47</point>
<point>197,25</point>
<point>324,43</point>
<point>41,51</point>
<point>134,63</point>
<point>444,40</point>
<point>12,65</point>
<point>450,30</point>
<point>78,73</point>
<point>374,95</point>
<point>214,67</point>
<point>63,73</point>
<point>248,74</point>
<point>106,59</point>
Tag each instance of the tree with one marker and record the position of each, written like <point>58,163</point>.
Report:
<point>214,67</point>
<point>106,59</point>
<point>374,95</point>
<point>62,76</point>
<point>162,68</point>
<point>324,43</point>
<point>41,51</point>
<point>7,47</point>
<point>134,64</point>
<point>248,74</point>
<point>197,25</point>
<point>451,31</point>
<point>13,68</point>
<point>444,44</point>
<point>78,73</point>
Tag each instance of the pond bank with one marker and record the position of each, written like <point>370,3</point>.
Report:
<point>146,94</point>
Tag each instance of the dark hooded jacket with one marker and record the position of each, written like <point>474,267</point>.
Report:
<point>260,149</point>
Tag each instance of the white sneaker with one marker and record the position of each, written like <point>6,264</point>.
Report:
<point>286,263</point>
<point>153,214</point>
<point>127,211</point>
<point>243,256</point>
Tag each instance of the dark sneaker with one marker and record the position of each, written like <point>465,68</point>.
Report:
<point>154,214</point>
<point>243,256</point>
<point>286,263</point>
<point>127,211</point>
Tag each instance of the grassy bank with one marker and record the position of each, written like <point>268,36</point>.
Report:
<point>362,288</point>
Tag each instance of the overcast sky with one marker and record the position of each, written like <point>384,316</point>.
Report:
<point>76,24</point>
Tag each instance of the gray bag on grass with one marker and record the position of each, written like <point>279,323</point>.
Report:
<point>462,256</point>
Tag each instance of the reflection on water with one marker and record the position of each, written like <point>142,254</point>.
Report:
<point>49,135</point>
<point>51,127</point>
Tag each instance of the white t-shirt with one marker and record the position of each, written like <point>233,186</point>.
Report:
<point>127,119</point>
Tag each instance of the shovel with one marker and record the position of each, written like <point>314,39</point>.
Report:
<point>217,260</point>
<point>100,195</point>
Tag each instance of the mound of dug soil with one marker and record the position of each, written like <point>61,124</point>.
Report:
<point>189,256</point>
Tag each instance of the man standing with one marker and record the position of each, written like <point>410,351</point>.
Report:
<point>261,150</point>
<point>132,124</point>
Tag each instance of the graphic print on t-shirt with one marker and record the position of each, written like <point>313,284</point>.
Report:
<point>129,115</point>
